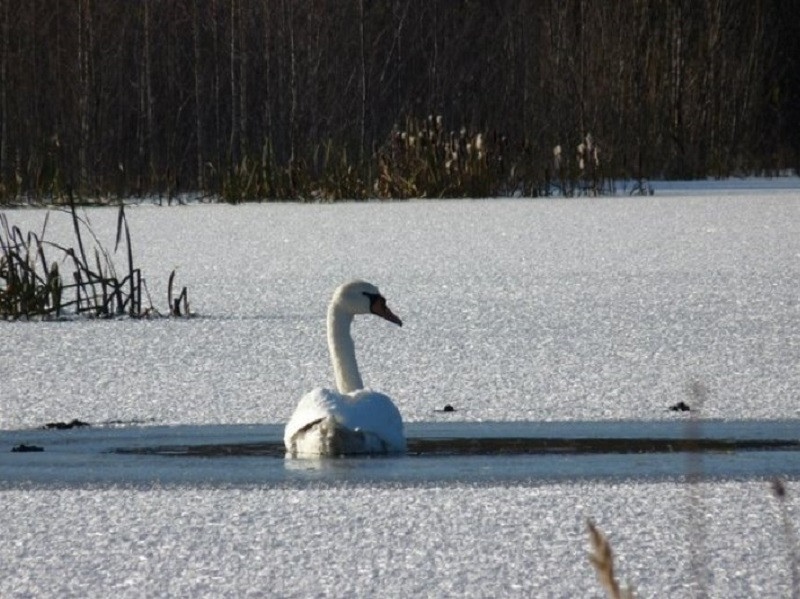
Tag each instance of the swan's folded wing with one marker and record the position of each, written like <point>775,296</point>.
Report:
<point>374,412</point>
<point>363,411</point>
<point>314,406</point>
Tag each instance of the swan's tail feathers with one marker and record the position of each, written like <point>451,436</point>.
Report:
<point>328,437</point>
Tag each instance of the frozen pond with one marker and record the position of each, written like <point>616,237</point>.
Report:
<point>535,319</point>
<point>513,310</point>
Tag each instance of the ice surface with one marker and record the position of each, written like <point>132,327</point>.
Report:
<point>552,309</point>
<point>513,310</point>
<point>354,541</point>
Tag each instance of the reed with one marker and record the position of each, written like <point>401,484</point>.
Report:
<point>339,177</point>
<point>422,159</point>
<point>602,558</point>
<point>182,301</point>
<point>28,285</point>
<point>789,534</point>
<point>31,286</point>
<point>419,158</point>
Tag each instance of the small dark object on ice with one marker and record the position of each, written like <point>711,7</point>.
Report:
<point>22,448</point>
<point>65,425</point>
<point>447,408</point>
<point>681,406</point>
<point>778,488</point>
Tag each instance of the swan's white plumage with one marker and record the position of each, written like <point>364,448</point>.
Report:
<point>350,420</point>
<point>362,421</point>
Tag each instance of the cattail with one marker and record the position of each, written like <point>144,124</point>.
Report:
<point>581,153</point>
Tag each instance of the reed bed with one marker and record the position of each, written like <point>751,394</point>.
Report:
<point>32,285</point>
<point>420,158</point>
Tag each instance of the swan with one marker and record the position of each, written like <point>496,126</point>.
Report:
<point>350,419</point>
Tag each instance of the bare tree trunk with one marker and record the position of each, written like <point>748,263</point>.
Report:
<point>217,87</point>
<point>527,109</point>
<point>710,107</point>
<point>268,77</point>
<point>434,59</point>
<point>362,43</point>
<point>635,90</point>
<point>559,96</point>
<point>84,46</point>
<point>582,75</point>
<point>4,52</point>
<point>232,144</point>
<point>146,105</point>
<point>677,87</point>
<point>198,117</point>
<point>288,15</point>
<point>395,59</point>
<point>243,137</point>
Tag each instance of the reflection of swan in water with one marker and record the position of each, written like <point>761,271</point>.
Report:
<point>352,420</point>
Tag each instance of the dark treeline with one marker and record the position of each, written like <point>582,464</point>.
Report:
<point>148,96</point>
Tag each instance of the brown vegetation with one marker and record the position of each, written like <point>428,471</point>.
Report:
<point>32,287</point>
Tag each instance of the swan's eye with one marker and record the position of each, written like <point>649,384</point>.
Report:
<point>376,302</point>
<point>377,305</point>
<point>374,299</point>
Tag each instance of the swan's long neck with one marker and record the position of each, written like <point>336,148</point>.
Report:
<point>342,349</point>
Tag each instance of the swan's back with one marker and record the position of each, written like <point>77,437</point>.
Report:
<point>328,423</point>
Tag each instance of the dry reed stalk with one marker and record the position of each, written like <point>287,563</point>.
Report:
<point>134,291</point>
<point>779,490</point>
<point>25,292</point>
<point>602,558</point>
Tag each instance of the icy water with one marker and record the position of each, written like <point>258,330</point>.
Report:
<point>486,453</point>
<point>561,331</point>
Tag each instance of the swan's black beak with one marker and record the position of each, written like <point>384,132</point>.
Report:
<point>379,308</point>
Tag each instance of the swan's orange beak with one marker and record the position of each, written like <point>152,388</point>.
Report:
<point>379,308</point>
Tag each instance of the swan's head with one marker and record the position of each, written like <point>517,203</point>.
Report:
<point>360,297</point>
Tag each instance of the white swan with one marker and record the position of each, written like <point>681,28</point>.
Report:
<point>352,420</point>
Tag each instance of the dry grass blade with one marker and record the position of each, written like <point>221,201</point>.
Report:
<point>134,290</point>
<point>120,219</point>
<point>602,558</point>
<point>170,282</point>
<point>175,302</point>
<point>122,226</point>
<point>77,227</point>
<point>40,253</point>
<point>185,298</point>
